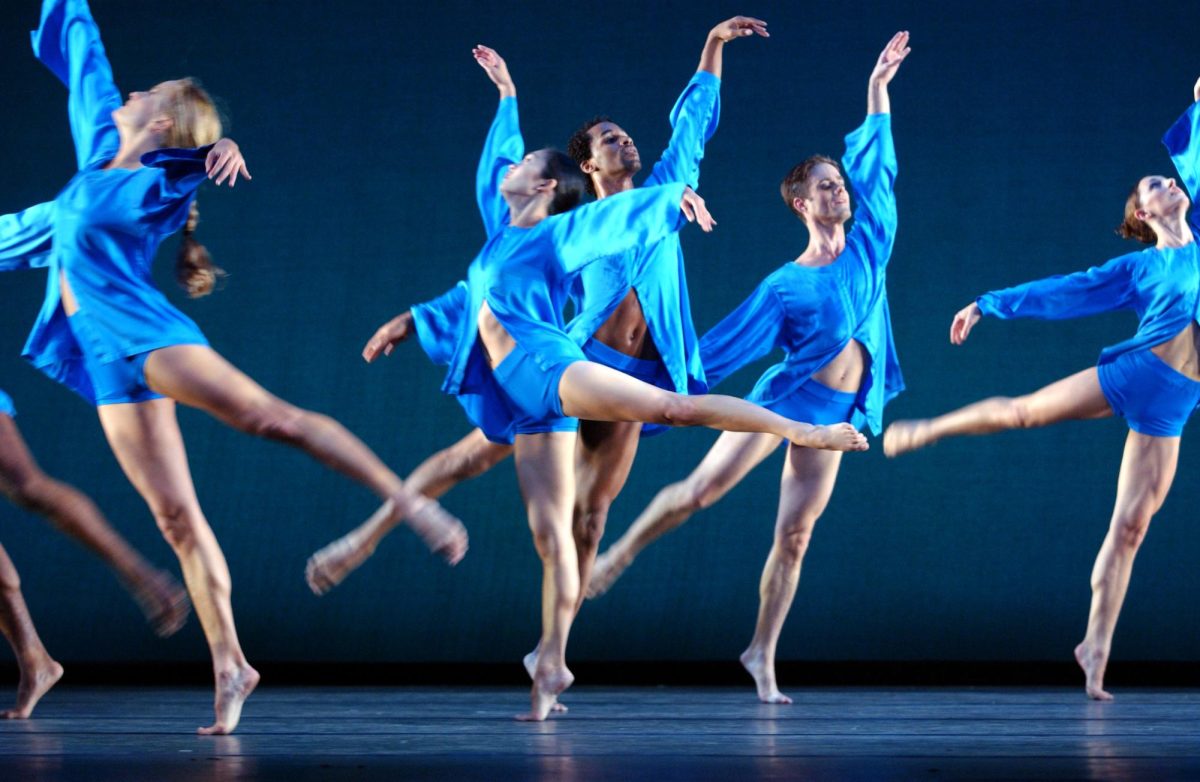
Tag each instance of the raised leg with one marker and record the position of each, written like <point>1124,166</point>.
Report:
<point>161,598</point>
<point>39,671</point>
<point>595,392</point>
<point>197,376</point>
<point>146,440</point>
<point>807,484</point>
<point>544,470</point>
<point>1147,470</point>
<point>730,459</point>
<point>1074,397</point>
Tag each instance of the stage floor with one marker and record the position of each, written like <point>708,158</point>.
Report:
<point>298,734</point>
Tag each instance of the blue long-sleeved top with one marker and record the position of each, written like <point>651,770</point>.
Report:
<point>812,313</point>
<point>657,272</point>
<point>1161,286</point>
<point>103,229</point>
<point>524,273</point>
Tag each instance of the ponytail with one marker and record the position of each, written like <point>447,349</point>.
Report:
<point>194,267</point>
<point>1132,227</point>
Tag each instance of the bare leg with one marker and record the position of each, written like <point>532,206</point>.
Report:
<point>730,459</point>
<point>1077,396</point>
<point>158,594</point>
<point>807,484</point>
<point>39,671</point>
<point>595,392</point>
<point>146,440</point>
<point>1147,469</point>
<point>197,376</point>
<point>544,464</point>
<point>470,457</point>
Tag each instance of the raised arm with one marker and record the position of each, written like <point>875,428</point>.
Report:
<point>1183,143</point>
<point>747,334</point>
<point>504,145</point>
<point>25,237</point>
<point>435,323</point>
<point>886,66</point>
<point>714,47</point>
<point>67,42</point>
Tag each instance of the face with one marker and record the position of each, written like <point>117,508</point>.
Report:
<point>828,201</point>
<point>613,152</point>
<point>142,109</point>
<point>527,177</point>
<point>1160,197</point>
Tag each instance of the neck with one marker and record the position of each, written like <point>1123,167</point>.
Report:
<point>526,211</point>
<point>606,186</point>
<point>1172,233</point>
<point>129,155</point>
<point>825,243</point>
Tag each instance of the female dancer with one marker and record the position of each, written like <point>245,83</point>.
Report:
<point>514,368</point>
<point>632,316</point>
<point>109,334</point>
<point>160,597</point>
<point>1152,380</point>
<point>828,311</point>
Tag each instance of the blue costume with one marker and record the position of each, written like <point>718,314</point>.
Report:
<point>524,274</point>
<point>655,272</point>
<point>6,405</point>
<point>101,231</point>
<point>1161,286</point>
<point>813,313</point>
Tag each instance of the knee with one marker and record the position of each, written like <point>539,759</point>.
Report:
<point>177,522</point>
<point>29,490</point>
<point>277,420</point>
<point>1130,530</point>
<point>1016,413</point>
<point>679,410</point>
<point>591,521</point>
<point>791,540</point>
<point>550,541</point>
<point>464,464</point>
<point>696,495</point>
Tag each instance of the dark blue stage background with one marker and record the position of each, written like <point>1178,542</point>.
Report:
<point>1020,127</point>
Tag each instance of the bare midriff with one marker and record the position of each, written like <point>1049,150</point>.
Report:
<point>497,342</point>
<point>845,371</point>
<point>626,331</point>
<point>1182,352</point>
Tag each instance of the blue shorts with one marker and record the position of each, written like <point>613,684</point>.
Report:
<point>6,405</point>
<point>532,394</point>
<point>645,370</point>
<point>814,403</point>
<point>120,381</point>
<point>1152,397</point>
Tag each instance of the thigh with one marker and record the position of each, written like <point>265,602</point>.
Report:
<point>1076,397</point>
<point>16,462</point>
<point>198,376</point>
<point>595,392</point>
<point>604,456</point>
<point>545,473</point>
<point>808,479</point>
<point>731,459</point>
<point>1147,472</point>
<point>146,440</point>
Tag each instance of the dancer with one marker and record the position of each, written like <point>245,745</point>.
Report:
<point>828,311</point>
<point>1152,380</point>
<point>106,331</point>
<point>632,315</point>
<point>160,597</point>
<point>514,369</point>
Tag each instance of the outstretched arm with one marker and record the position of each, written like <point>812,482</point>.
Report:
<point>496,69</point>
<point>504,145</point>
<point>25,237</point>
<point>1183,143</point>
<point>886,66</point>
<point>714,46</point>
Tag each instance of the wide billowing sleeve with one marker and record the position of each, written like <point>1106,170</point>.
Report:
<point>693,122</point>
<point>614,225</point>
<point>1099,289</point>
<point>503,147</point>
<point>437,323</point>
<point>183,171</point>
<point>68,43</point>
<point>747,334</point>
<point>25,238</point>
<point>1183,143</point>
<point>870,165</point>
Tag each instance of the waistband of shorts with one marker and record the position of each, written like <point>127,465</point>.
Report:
<point>610,357</point>
<point>1164,370</point>
<point>818,389</point>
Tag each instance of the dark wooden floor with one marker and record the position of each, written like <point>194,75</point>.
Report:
<point>302,734</point>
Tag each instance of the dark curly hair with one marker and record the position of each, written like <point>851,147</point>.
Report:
<point>579,148</point>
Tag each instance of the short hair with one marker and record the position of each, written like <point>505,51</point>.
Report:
<point>795,184</point>
<point>579,147</point>
<point>1132,227</point>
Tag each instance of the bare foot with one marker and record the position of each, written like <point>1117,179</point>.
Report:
<point>530,662</point>
<point>605,572</point>
<point>233,688</point>
<point>834,437</point>
<point>904,436</point>
<point>164,603</point>
<point>330,566</point>
<point>442,533</point>
<point>763,672</point>
<point>1093,662</point>
<point>547,686</point>
<point>35,683</point>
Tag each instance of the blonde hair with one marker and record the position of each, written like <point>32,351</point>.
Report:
<point>194,123</point>
<point>1132,227</point>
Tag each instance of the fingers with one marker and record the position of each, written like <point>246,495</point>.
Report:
<point>685,206</point>
<point>748,25</point>
<point>370,351</point>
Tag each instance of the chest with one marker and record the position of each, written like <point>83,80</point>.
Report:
<point>1171,275</point>
<point>102,201</point>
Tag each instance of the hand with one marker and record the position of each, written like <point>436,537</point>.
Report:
<point>964,321</point>
<point>225,161</point>
<point>496,69</point>
<point>739,27</point>
<point>890,58</point>
<point>388,336</point>
<point>693,208</point>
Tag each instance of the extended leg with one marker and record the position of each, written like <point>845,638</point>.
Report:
<point>39,671</point>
